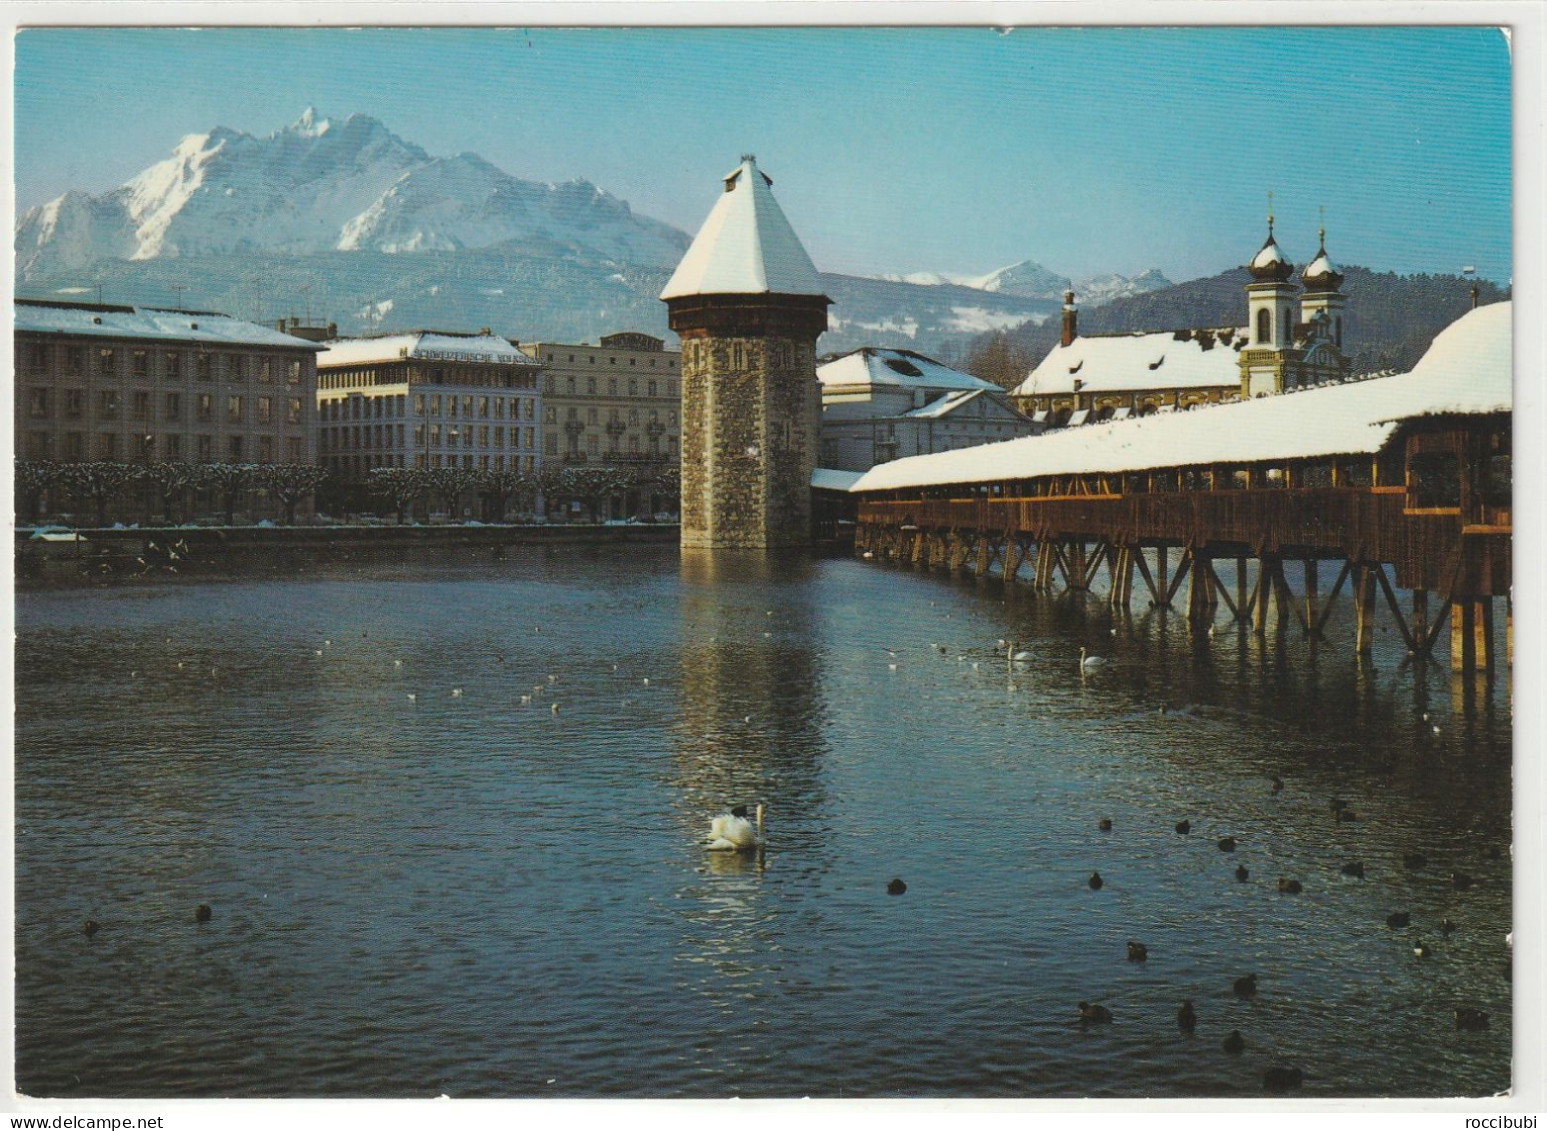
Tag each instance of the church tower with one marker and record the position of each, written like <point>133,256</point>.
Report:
<point>748,305</point>
<point>1270,304</point>
<point>1323,294</point>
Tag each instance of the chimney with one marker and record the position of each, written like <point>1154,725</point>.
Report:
<point>1474,294</point>
<point>1071,316</point>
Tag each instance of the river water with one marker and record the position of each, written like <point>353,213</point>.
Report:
<point>416,892</point>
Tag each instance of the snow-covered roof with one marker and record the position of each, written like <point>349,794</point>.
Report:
<point>944,406</point>
<point>827,479</point>
<point>424,345</point>
<point>1128,362</point>
<point>746,246</point>
<point>151,324</point>
<point>874,366</point>
<point>1466,370</point>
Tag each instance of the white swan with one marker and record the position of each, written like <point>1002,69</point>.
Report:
<point>1091,663</point>
<point>734,833</point>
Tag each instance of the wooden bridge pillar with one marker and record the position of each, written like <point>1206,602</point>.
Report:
<point>1482,624</point>
<point>1264,584</point>
<point>1420,631</point>
<point>1074,564</point>
<point>1364,609</point>
<point>1162,567</point>
<point>1013,553</point>
<point>1311,595</point>
<point>1463,638</point>
<point>1242,613</point>
<point>1200,593</point>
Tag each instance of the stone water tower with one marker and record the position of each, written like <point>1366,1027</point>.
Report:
<point>748,306</point>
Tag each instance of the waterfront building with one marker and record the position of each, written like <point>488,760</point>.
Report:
<point>616,403</point>
<point>427,398</point>
<point>1291,340</point>
<point>748,305</point>
<point>102,383</point>
<point>885,404</point>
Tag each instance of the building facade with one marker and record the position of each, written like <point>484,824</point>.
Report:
<point>748,305</point>
<point>124,384</point>
<point>617,403</point>
<point>427,399</point>
<point>884,404</point>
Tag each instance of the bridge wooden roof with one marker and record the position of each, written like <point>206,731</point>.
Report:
<point>1466,370</point>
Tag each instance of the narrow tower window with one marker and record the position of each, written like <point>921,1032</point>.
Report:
<point>1264,325</point>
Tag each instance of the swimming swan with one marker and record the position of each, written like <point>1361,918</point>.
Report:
<point>1089,663</point>
<point>734,833</point>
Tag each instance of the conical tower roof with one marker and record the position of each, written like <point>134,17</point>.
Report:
<point>746,246</point>
<point>1321,274</point>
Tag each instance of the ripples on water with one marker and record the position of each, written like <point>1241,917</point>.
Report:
<point>476,896</point>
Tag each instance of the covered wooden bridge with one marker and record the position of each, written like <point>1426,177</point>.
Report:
<point>1382,484</point>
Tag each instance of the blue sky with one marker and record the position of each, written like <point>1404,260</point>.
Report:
<point>906,149</point>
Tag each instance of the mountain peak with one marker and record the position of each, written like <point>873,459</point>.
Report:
<point>309,124</point>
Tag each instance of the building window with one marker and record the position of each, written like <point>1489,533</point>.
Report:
<point>265,370</point>
<point>206,407</point>
<point>550,415</point>
<point>107,405</point>
<point>74,445</point>
<point>107,363</point>
<point>265,449</point>
<point>293,412</point>
<point>174,450</point>
<point>293,449</point>
<point>483,408</point>
<point>74,359</point>
<point>141,363</point>
<point>107,445</point>
<point>551,444</point>
<point>650,388</point>
<point>174,366</point>
<point>234,410</point>
<point>633,387</point>
<point>74,403</point>
<point>206,448</point>
<point>234,449</point>
<point>671,388</point>
<point>37,402</point>
<point>591,416</point>
<point>204,367</point>
<point>265,410</point>
<point>139,405</point>
<point>435,405</point>
<point>483,435</point>
<point>1264,327</point>
<point>38,353</point>
<point>293,373</point>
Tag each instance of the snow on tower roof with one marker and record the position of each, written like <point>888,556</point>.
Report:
<point>424,344</point>
<point>1110,363</point>
<point>746,246</point>
<point>875,366</point>
<point>202,326</point>
<point>1466,370</point>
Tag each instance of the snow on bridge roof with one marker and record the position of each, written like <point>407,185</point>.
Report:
<point>1125,362</point>
<point>1466,370</point>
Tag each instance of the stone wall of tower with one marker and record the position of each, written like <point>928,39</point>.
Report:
<point>751,411</point>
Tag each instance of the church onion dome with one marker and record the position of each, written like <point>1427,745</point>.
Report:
<point>1269,264</point>
<point>1321,274</point>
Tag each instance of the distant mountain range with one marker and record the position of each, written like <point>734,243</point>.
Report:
<point>1029,279</point>
<point>318,186</point>
<point>345,221</point>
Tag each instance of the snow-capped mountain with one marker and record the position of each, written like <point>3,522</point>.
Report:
<point>318,186</point>
<point>1029,279</point>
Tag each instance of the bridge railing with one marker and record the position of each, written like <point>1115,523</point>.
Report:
<point>1367,523</point>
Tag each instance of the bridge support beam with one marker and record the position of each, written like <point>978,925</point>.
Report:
<point>1311,565</point>
<point>1364,608</point>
